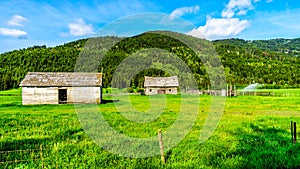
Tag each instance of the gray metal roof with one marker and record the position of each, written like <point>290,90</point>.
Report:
<point>161,81</point>
<point>58,79</point>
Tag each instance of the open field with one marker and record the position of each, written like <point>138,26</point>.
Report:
<point>254,132</point>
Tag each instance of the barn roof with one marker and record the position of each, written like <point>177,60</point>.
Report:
<point>59,79</point>
<point>161,81</point>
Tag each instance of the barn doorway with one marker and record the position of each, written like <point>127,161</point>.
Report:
<point>161,91</point>
<point>62,96</point>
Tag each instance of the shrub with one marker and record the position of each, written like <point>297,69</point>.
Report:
<point>130,90</point>
<point>140,90</point>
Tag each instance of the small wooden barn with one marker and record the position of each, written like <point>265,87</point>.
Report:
<point>61,87</point>
<point>160,85</point>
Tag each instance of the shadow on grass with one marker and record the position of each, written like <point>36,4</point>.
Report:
<point>263,147</point>
<point>11,104</point>
<point>109,101</point>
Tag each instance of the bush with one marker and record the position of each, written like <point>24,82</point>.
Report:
<point>140,90</point>
<point>130,90</point>
<point>271,86</point>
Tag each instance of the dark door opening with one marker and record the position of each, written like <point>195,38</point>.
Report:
<point>62,96</point>
<point>161,91</point>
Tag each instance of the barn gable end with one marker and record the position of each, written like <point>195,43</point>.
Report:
<point>161,85</point>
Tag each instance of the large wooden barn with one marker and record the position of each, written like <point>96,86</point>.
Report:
<point>160,85</point>
<point>61,87</point>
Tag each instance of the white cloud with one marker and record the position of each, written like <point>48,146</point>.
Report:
<point>240,7</point>
<point>229,13</point>
<point>217,28</point>
<point>227,26</point>
<point>243,12</point>
<point>267,1</point>
<point>17,20</point>
<point>284,19</point>
<point>13,33</point>
<point>184,10</point>
<point>196,33</point>
<point>80,28</point>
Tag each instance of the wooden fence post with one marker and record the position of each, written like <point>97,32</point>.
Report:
<point>208,90</point>
<point>234,88</point>
<point>292,132</point>
<point>41,154</point>
<point>295,133</point>
<point>227,93</point>
<point>56,156</point>
<point>161,147</point>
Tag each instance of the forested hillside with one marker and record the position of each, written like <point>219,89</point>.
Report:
<point>261,61</point>
<point>14,65</point>
<point>285,47</point>
<point>273,62</point>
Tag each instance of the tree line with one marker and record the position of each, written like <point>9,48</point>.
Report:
<point>271,62</point>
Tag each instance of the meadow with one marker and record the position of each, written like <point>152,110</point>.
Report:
<point>254,132</point>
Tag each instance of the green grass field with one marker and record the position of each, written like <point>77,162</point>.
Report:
<point>254,132</point>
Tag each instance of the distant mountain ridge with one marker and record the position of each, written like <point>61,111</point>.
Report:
<point>274,62</point>
<point>280,45</point>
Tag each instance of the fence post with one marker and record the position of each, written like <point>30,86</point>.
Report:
<point>227,93</point>
<point>295,133</point>
<point>234,88</point>
<point>292,132</point>
<point>161,147</point>
<point>41,154</point>
<point>56,156</point>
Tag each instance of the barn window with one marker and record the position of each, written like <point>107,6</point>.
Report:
<point>170,90</point>
<point>150,90</point>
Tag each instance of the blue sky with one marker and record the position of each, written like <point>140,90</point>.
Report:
<point>25,23</point>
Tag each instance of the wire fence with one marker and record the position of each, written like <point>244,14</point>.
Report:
<point>48,154</point>
<point>15,156</point>
<point>274,94</point>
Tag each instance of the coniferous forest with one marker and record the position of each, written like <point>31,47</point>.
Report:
<point>274,63</point>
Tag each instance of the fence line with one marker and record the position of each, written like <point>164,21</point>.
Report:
<point>267,93</point>
<point>40,153</point>
<point>15,160</point>
<point>10,151</point>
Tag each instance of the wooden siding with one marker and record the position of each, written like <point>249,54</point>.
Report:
<point>160,90</point>
<point>49,95</point>
<point>39,95</point>
<point>84,95</point>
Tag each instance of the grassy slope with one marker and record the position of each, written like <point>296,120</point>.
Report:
<point>253,133</point>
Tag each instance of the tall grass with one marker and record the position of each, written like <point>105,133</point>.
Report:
<point>254,132</point>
